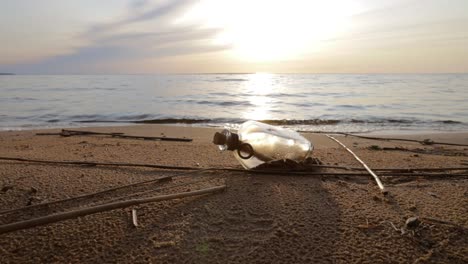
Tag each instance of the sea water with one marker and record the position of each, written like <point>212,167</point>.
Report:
<point>337,102</point>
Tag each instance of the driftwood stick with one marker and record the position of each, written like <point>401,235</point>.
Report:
<point>397,172</point>
<point>75,132</point>
<point>419,169</point>
<point>89,163</point>
<point>67,133</point>
<point>158,189</point>
<point>100,208</point>
<point>162,179</point>
<point>403,174</point>
<point>440,221</point>
<point>84,132</point>
<point>379,183</point>
<point>122,135</point>
<point>49,134</point>
<point>154,138</point>
<point>134,218</point>
<point>423,142</point>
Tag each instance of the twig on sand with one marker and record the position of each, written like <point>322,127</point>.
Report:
<point>125,164</point>
<point>440,221</point>
<point>101,208</point>
<point>379,183</point>
<point>423,142</point>
<point>154,138</point>
<point>158,189</point>
<point>90,163</point>
<point>68,133</point>
<point>134,218</point>
<point>393,225</point>
<point>84,132</point>
<point>161,179</point>
<point>385,172</point>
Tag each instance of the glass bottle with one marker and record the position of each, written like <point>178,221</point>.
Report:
<point>256,143</point>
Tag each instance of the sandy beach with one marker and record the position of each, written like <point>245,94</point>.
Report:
<point>259,218</point>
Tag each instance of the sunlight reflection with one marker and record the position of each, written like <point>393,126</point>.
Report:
<point>257,89</point>
<point>259,83</point>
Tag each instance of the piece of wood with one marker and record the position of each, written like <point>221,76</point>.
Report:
<point>100,208</point>
<point>440,221</point>
<point>376,178</point>
<point>134,218</point>
<point>154,138</point>
<point>162,179</point>
<point>423,142</point>
<point>253,171</point>
<point>68,133</point>
<point>84,132</point>
<point>122,135</point>
<point>90,163</point>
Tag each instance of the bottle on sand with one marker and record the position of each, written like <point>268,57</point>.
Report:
<point>256,143</point>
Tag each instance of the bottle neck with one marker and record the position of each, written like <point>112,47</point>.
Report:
<point>226,140</point>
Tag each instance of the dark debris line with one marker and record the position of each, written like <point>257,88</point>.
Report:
<point>69,133</point>
<point>422,142</point>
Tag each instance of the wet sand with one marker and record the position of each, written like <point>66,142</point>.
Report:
<point>257,219</point>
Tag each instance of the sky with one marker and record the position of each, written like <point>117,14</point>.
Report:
<point>213,36</point>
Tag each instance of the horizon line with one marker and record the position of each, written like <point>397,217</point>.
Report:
<point>241,73</point>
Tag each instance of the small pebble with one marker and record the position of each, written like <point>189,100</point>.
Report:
<point>412,222</point>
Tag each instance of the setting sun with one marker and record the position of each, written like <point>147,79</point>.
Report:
<point>262,31</point>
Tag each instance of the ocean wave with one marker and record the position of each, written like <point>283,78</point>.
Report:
<point>231,80</point>
<point>279,122</point>
<point>331,101</point>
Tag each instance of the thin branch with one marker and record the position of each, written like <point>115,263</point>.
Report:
<point>84,132</point>
<point>161,179</point>
<point>154,138</point>
<point>100,208</point>
<point>157,189</point>
<point>440,221</point>
<point>379,183</point>
<point>423,142</point>
<point>134,218</point>
<point>68,133</point>
<point>90,163</point>
<point>252,171</point>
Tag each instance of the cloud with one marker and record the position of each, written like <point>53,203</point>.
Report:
<point>114,42</point>
<point>136,4</point>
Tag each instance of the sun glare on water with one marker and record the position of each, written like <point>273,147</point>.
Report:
<point>263,31</point>
<point>257,88</point>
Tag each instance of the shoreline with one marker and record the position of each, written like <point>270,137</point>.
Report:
<point>382,132</point>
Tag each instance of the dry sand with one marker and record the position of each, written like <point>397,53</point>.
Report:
<point>258,219</point>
